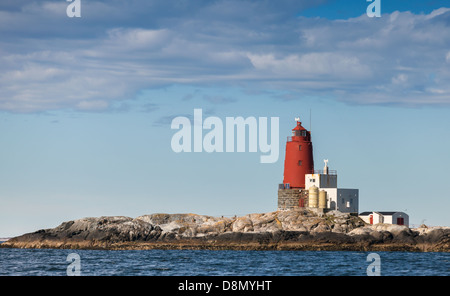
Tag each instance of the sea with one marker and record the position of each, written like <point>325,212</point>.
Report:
<point>57,262</point>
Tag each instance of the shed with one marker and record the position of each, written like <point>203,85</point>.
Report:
<point>392,217</point>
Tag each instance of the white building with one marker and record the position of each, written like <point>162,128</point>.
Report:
<point>343,200</point>
<point>399,218</point>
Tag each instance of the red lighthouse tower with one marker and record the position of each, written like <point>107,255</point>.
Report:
<point>299,157</point>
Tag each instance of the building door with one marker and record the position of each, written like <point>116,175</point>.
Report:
<point>301,203</point>
<point>400,221</point>
<point>371,219</point>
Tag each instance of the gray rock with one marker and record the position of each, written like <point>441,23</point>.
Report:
<point>265,229</point>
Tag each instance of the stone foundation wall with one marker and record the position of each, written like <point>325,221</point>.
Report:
<point>290,199</point>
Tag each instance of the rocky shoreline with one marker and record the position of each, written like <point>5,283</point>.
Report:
<point>281,230</point>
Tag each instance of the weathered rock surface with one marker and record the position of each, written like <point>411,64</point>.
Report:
<point>282,230</point>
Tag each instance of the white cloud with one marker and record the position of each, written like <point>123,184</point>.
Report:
<point>437,12</point>
<point>90,64</point>
<point>92,105</point>
<point>399,79</point>
<point>137,38</point>
<point>311,65</point>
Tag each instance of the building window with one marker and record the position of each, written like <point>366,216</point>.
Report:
<point>312,180</point>
<point>299,147</point>
<point>299,162</point>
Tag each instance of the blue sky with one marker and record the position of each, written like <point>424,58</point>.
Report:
<point>86,104</point>
<point>341,9</point>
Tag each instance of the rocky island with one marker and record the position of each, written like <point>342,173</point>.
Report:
<point>281,230</point>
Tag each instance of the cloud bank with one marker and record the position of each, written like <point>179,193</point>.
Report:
<point>117,48</point>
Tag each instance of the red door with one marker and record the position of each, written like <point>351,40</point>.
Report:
<point>301,203</point>
<point>400,221</point>
<point>371,219</point>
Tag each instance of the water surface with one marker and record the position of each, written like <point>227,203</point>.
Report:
<point>52,262</point>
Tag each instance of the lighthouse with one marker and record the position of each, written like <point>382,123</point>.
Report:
<point>299,157</point>
<point>304,187</point>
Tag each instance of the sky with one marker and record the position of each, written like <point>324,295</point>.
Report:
<point>86,104</point>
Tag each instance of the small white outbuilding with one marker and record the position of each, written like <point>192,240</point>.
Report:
<point>342,199</point>
<point>399,218</point>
